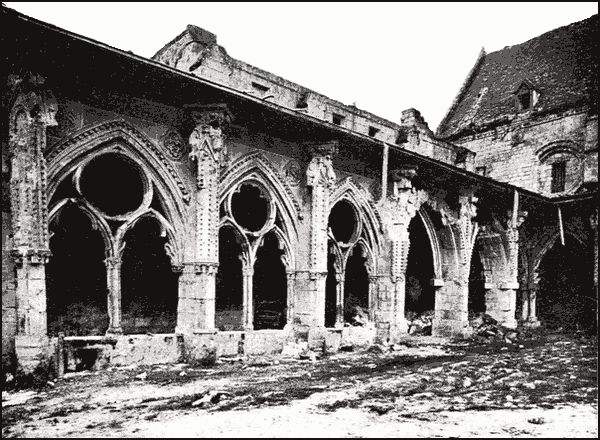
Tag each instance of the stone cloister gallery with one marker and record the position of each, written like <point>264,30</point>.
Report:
<point>157,213</point>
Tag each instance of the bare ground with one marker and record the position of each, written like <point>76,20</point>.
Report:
<point>537,387</point>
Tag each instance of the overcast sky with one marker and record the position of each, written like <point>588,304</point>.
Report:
<point>385,57</point>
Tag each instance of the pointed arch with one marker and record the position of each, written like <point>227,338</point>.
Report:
<point>288,257</point>
<point>246,257</point>
<point>172,247</point>
<point>434,240</point>
<point>121,137</point>
<point>97,221</point>
<point>255,166</point>
<point>366,252</point>
<point>372,225</point>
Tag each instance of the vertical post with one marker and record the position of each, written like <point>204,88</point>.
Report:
<point>502,301</point>
<point>320,176</point>
<point>404,206</point>
<point>452,300</point>
<point>197,285</point>
<point>113,278</point>
<point>32,112</point>
<point>248,306</point>
<point>339,307</point>
<point>291,282</point>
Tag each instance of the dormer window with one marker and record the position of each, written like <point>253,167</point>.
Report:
<point>526,96</point>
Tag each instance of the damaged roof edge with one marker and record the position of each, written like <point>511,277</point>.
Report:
<point>458,171</point>
<point>461,91</point>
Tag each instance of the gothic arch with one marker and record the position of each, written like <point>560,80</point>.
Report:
<point>549,243</point>
<point>366,252</point>
<point>246,257</point>
<point>255,166</point>
<point>434,241</point>
<point>172,247</point>
<point>96,219</point>
<point>120,137</point>
<point>369,220</point>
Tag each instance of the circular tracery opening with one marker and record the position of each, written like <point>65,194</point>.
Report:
<point>112,184</point>
<point>343,221</point>
<point>250,207</point>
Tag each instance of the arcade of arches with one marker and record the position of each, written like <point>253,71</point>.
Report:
<point>132,247</point>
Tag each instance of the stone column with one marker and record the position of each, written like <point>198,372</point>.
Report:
<point>404,204</point>
<point>339,300</point>
<point>248,306</point>
<point>291,282</point>
<point>197,285</point>
<point>113,281</point>
<point>501,302</point>
<point>320,176</point>
<point>33,110</point>
<point>528,301</point>
<point>452,299</point>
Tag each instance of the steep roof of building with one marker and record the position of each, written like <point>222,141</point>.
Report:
<point>561,65</point>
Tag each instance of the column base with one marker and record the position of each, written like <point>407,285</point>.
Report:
<point>31,351</point>
<point>114,331</point>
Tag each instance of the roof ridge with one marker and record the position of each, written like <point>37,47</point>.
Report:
<point>551,31</point>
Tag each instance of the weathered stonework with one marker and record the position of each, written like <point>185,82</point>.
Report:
<point>282,142</point>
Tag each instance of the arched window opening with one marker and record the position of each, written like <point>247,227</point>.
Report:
<point>250,207</point>
<point>331,288</point>
<point>356,288</point>
<point>476,302</point>
<point>229,304</point>
<point>110,174</point>
<point>269,286</point>
<point>149,286</point>
<point>420,294</point>
<point>565,300</point>
<point>76,290</point>
<point>343,222</point>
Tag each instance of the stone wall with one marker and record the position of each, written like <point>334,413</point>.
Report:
<point>522,152</point>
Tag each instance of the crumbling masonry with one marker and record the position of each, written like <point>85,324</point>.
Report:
<point>191,204</point>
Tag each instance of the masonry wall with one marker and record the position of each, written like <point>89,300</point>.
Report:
<point>9,324</point>
<point>516,153</point>
<point>196,51</point>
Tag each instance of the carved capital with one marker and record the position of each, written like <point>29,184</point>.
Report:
<point>216,116</point>
<point>199,267</point>
<point>30,256</point>
<point>320,169</point>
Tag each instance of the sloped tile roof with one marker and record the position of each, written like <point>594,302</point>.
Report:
<point>561,65</point>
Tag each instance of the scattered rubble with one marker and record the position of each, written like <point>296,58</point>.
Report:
<point>420,323</point>
<point>487,329</point>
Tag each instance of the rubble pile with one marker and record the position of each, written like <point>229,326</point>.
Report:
<point>420,323</point>
<point>487,329</point>
<point>360,318</point>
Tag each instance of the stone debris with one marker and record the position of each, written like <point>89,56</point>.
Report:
<point>294,349</point>
<point>487,329</point>
<point>211,398</point>
<point>18,398</point>
<point>420,324</point>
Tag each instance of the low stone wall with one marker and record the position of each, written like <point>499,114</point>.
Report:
<point>94,352</point>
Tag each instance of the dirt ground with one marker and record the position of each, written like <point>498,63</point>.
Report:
<point>534,388</point>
